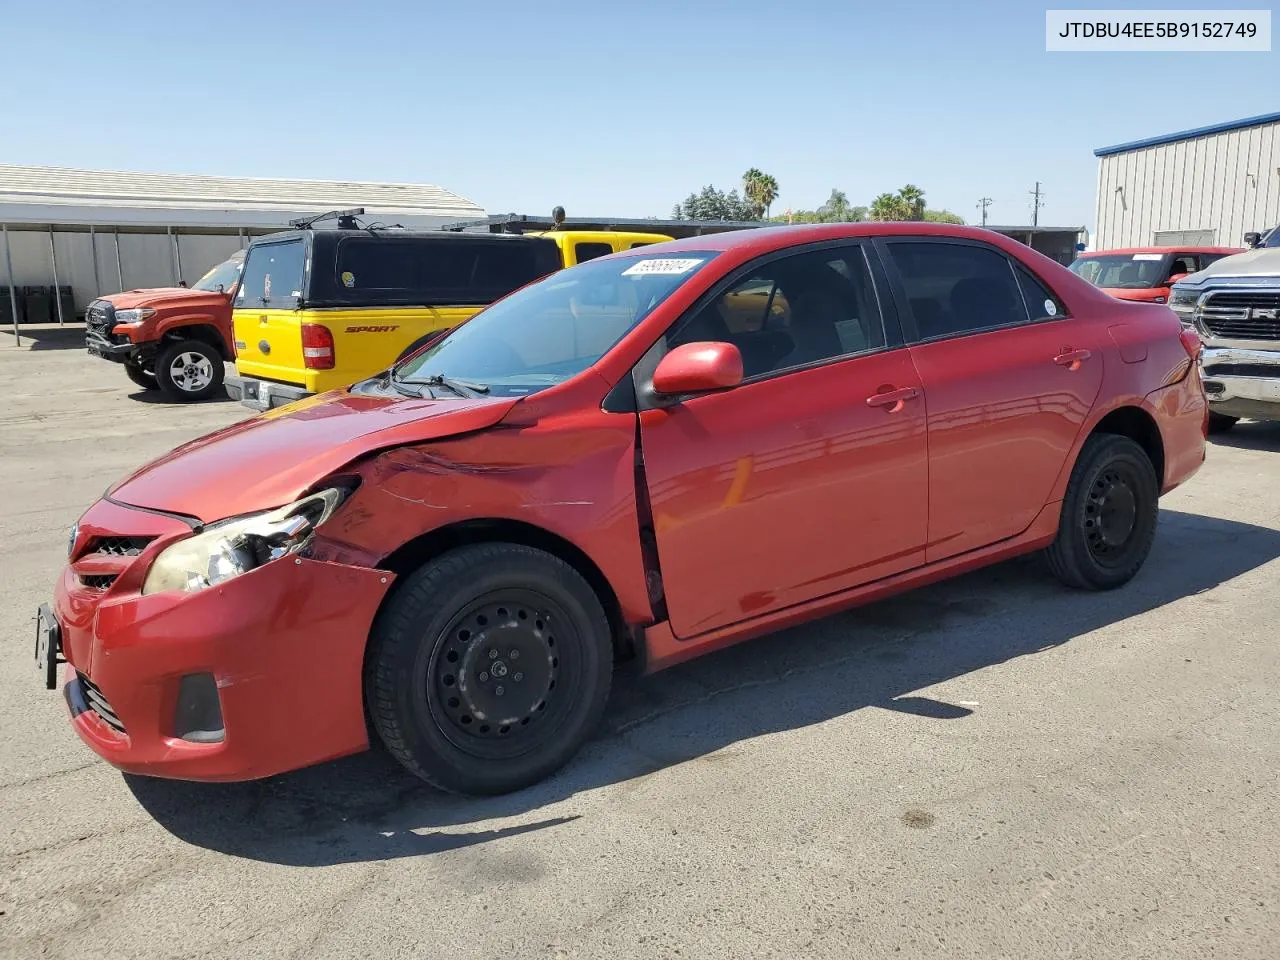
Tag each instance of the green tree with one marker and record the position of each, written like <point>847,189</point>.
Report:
<point>760,190</point>
<point>942,216</point>
<point>713,204</point>
<point>912,198</point>
<point>888,206</point>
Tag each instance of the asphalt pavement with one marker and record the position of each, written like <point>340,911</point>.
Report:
<point>992,767</point>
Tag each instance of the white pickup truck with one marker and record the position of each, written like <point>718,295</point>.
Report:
<point>1234,304</point>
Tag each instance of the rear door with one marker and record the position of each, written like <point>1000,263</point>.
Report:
<point>809,478</point>
<point>266,319</point>
<point>1009,377</point>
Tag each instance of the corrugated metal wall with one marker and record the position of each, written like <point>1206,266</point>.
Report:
<point>1228,183</point>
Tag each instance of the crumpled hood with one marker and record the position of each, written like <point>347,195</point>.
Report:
<point>1261,262</point>
<point>157,296</point>
<point>270,459</point>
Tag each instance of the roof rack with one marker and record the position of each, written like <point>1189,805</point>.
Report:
<point>346,219</point>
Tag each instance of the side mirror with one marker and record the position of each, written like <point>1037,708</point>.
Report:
<point>1176,277</point>
<point>1252,239</point>
<point>701,367</point>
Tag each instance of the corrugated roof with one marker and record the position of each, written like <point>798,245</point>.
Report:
<point>65,186</point>
<point>1258,121</point>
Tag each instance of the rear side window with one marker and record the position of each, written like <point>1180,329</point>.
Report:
<point>583,252</point>
<point>953,289</point>
<point>425,272</point>
<point>1042,303</point>
<point>272,276</point>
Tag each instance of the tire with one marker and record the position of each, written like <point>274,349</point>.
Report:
<point>1221,423</point>
<point>143,378</point>
<point>189,370</point>
<point>1108,517</point>
<point>432,681</point>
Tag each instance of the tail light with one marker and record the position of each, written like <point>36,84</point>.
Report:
<point>1191,343</point>
<point>317,347</point>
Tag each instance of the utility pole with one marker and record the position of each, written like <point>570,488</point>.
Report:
<point>982,205</point>
<point>1036,204</point>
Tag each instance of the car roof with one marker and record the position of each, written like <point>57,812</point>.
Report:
<point>1124,251</point>
<point>765,239</point>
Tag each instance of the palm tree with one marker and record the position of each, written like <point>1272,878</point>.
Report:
<point>760,189</point>
<point>912,198</point>
<point>888,206</point>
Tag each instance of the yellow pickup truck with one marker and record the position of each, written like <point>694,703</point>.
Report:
<point>319,308</point>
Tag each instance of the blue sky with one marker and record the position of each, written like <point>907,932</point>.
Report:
<point>611,109</point>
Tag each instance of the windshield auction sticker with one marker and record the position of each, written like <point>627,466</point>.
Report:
<point>1203,31</point>
<point>669,268</point>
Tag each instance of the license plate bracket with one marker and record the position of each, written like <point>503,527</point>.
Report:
<point>48,646</point>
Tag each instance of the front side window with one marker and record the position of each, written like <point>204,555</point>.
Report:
<point>556,328</point>
<point>1273,238</point>
<point>954,289</point>
<point>793,311</point>
<point>272,276</point>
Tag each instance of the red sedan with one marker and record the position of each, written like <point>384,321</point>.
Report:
<point>654,454</point>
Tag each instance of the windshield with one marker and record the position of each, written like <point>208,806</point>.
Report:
<point>1126,271</point>
<point>224,274</point>
<point>556,328</point>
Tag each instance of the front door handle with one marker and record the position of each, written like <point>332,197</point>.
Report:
<point>893,399</point>
<point>1071,359</point>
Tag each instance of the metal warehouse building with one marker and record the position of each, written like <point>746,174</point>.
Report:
<point>1207,186</point>
<point>90,232</point>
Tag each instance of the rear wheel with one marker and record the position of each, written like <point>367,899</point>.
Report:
<point>1108,515</point>
<point>489,668</point>
<point>140,375</point>
<point>1221,423</point>
<point>189,370</point>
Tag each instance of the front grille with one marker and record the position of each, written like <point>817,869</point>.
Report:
<point>1264,370</point>
<point>97,581</point>
<point>98,703</point>
<point>100,316</point>
<point>117,546</point>
<point>1242,314</point>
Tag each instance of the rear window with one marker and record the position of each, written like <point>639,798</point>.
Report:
<point>429,271</point>
<point>272,275</point>
<point>1122,271</point>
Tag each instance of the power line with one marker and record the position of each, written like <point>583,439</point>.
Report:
<point>982,205</point>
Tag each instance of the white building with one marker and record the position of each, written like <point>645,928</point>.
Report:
<point>99,231</point>
<point>1207,186</point>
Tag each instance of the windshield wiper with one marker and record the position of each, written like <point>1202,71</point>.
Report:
<point>463,388</point>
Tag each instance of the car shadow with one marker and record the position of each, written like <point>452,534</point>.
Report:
<point>44,336</point>
<point>158,397</point>
<point>1250,435</point>
<point>366,808</point>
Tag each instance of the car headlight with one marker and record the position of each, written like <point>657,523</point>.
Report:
<point>232,547</point>
<point>134,316</point>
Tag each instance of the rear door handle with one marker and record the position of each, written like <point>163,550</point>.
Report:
<point>1071,359</point>
<point>894,399</point>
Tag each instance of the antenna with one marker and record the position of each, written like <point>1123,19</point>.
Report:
<point>982,205</point>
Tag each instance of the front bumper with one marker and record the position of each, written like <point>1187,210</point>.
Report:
<point>1242,382</point>
<point>263,394</point>
<point>102,346</point>
<point>282,646</point>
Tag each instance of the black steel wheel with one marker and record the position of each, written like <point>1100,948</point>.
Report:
<point>1221,423</point>
<point>488,668</point>
<point>140,375</point>
<point>1109,513</point>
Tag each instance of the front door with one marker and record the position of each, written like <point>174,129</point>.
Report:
<point>808,479</point>
<point>1010,380</point>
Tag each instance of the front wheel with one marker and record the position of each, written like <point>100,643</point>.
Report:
<point>1221,423</point>
<point>141,376</point>
<point>489,668</point>
<point>189,370</point>
<point>1108,515</point>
